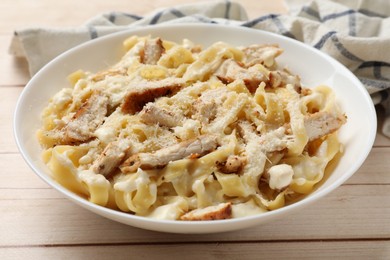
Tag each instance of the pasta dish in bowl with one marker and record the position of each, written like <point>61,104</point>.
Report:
<point>193,133</point>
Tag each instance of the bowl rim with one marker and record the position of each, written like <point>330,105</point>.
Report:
<point>191,225</point>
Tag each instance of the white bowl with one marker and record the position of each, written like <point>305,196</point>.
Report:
<point>313,66</point>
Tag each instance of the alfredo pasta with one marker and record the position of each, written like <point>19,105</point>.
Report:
<point>174,131</point>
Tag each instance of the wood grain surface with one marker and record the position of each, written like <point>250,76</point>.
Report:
<point>36,222</point>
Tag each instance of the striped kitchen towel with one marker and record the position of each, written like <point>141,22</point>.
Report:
<point>356,33</point>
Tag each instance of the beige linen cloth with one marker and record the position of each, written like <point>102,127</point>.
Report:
<point>356,33</point>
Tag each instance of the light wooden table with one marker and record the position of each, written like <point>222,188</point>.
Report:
<point>36,222</point>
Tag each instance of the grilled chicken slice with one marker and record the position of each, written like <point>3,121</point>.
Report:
<point>278,79</point>
<point>152,52</point>
<point>261,54</point>
<point>206,106</point>
<point>230,71</point>
<point>322,123</point>
<point>255,155</point>
<point>191,148</point>
<point>233,164</point>
<point>316,125</point>
<point>136,98</point>
<point>221,211</point>
<point>111,157</point>
<point>86,120</point>
<point>152,114</point>
<point>205,111</point>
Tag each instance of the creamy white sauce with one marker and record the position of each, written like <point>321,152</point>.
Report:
<point>91,178</point>
<point>171,211</point>
<point>132,182</point>
<point>280,176</point>
<point>246,209</point>
<point>86,159</point>
<point>62,98</point>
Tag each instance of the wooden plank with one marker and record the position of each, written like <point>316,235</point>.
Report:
<point>46,13</point>
<point>350,212</point>
<point>8,98</point>
<point>381,140</point>
<point>16,174</point>
<point>38,223</point>
<point>375,170</point>
<point>216,250</point>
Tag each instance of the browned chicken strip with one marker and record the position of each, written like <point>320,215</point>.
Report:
<point>136,99</point>
<point>279,79</point>
<point>191,148</point>
<point>86,120</point>
<point>233,164</point>
<point>152,114</point>
<point>230,71</point>
<point>205,111</point>
<point>221,211</point>
<point>322,123</point>
<point>316,125</point>
<point>261,54</point>
<point>152,52</point>
<point>206,106</point>
<point>111,157</point>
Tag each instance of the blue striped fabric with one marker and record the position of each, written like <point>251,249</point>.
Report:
<point>333,30</point>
